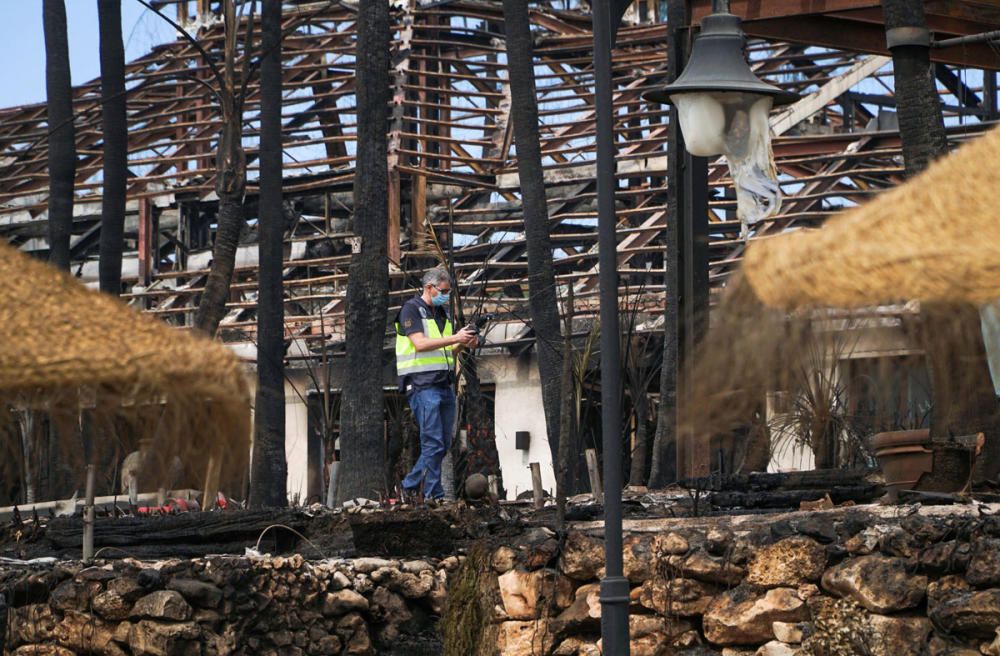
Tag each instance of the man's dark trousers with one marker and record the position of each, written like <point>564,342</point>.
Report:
<point>434,409</point>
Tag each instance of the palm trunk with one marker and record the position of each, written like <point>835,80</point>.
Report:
<point>567,442</point>
<point>758,441</point>
<point>115,136</point>
<point>270,471</point>
<point>29,458</point>
<point>663,469</point>
<point>62,135</point>
<point>481,455</point>
<point>230,186</point>
<point>362,448</point>
<point>212,306</point>
<point>115,145</point>
<point>824,446</point>
<point>640,455</point>
<point>542,302</point>
<point>921,124</point>
<point>964,398</point>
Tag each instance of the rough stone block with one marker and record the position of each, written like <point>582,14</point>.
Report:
<point>527,595</point>
<point>788,563</point>
<point>880,584</point>
<point>680,597</point>
<point>197,593</point>
<point>342,602</point>
<point>162,604</point>
<point>742,616</point>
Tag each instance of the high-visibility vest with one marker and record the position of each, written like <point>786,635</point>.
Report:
<point>410,361</point>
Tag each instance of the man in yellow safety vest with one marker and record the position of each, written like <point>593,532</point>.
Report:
<point>425,363</point>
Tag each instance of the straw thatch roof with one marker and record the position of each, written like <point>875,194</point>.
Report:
<point>935,238</point>
<point>66,349</point>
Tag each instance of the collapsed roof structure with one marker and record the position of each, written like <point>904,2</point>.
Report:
<point>454,183</point>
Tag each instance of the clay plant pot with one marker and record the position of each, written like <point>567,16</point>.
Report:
<point>911,460</point>
<point>904,457</point>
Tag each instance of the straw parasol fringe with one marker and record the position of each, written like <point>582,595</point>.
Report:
<point>66,351</point>
<point>935,238</point>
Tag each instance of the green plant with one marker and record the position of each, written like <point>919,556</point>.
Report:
<point>818,415</point>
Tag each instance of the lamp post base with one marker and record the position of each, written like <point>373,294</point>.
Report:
<point>614,615</point>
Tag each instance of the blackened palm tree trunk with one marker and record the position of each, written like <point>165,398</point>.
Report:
<point>62,136</point>
<point>964,398</point>
<point>270,471</point>
<point>115,130</point>
<point>362,449</point>
<point>921,124</point>
<point>230,187</point>
<point>542,301</point>
<point>567,442</point>
<point>663,468</point>
<point>229,223</point>
<point>643,447</point>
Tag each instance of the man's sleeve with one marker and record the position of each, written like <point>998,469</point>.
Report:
<point>409,320</point>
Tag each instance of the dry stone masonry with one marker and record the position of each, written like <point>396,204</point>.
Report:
<point>227,605</point>
<point>852,581</point>
<point>864,580</point>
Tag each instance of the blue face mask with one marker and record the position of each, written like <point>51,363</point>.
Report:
<point>441,299</point>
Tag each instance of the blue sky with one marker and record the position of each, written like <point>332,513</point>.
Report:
<point>22,44</point>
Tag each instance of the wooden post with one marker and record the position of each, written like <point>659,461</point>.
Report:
<point>418,205</point>
<point>536,484</point>
<point>331,490</point>
<point>693,300</point>
<point>146,240</point>
<point>418,194</point>
<point>494,486</point>
<point>990,94</point>
<point>396,128</point>
<point>133,492</point>
<point>211,493</point>
<point>394,251</point>
<point>88,518</point>
<point>594,470</point>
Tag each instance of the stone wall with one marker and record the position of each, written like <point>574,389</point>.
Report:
<point>879,581</point>
<point>226,605</point>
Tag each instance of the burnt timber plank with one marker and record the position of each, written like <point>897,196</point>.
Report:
<point>818,479</point>
<point>211,529</point>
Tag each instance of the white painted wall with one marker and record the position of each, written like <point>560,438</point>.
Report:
<point>296,437</point>
<point>296,445</point>
<point>518,407</point>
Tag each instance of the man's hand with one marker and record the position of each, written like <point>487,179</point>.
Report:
<point>466,337</point>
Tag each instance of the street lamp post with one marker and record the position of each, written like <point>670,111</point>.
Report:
<point>614,593</point>
<point>719,101</point>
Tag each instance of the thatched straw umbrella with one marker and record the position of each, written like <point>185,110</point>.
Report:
<point>68,353</point>
<point>935,238</point>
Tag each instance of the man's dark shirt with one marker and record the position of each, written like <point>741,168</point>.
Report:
<point>411,317</point>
